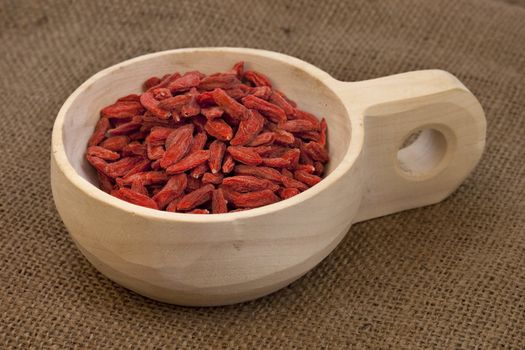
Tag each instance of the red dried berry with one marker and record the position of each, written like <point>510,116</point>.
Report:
<point>198,171</point>
<point>152,105</point>
<point>259,171</point>
<point>277,99</point>
<point>115,143</point>
<point>245,155</point>
<point>228,104</point>
<point>247,183</point>
<point>190,162</point>
<point>220,80</point>
<point>99,134</point>
<point>271,111</point>
<point>317,152</point>
<point>307,178</point>
<point>212,112</point>
<point>174,188</point>
<point>102,153</point>
<point>136,198</point>
<point>228,164</point>
<point>286,193</point>
<point>217,149</point>
<point>248,129</point>
<point>253,199</point>
<point>210,178</point>
<point>265,138</point>
<point>258,79</point>
<point>186,82</point>
<point>195,198</point>
<point>219,129</point>
<point>177,145</point>
<point>218,203</point>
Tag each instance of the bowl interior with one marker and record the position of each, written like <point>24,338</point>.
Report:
<point>299,81</point>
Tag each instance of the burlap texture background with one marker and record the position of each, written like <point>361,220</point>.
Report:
<point>447,276</point>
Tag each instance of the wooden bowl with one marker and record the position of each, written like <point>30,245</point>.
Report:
<point>229,258</point>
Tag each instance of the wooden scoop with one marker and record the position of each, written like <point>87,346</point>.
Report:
<point>229,258</point>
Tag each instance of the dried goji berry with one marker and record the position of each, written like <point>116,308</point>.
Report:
<point>228,104</point>
<point>228,164</point>
<point>253,199</point>
<point>299,125</point>
<point>307,178</point>
<point>302,115</point>
<point>127,128</point>
<point>217,149</point>
<point>106,184</point>
<point>219,129</point>
<point>177,145</point>
<point>122,167</point>
<point>190,162</point>
<point>122,109</point>
<point>195,198</point>
<point>258,79</point>
<point>172,207</point>
<point>165,81</point>
<point>146,178</point>
<point>134,148</point>
<point>140,166</point>
<point>264,138</point>
<point>316,151</point>
<point>248,128</point>
<point>151,82</point>
<point>293,183</point>
<point>161,93</point>
<point>198,171</point>
<point>238,69</point>
<point>136,198</point>
<point>259,171</point>
<point>154,152</point>
<point>130,97</point>
<point>271,111</point>
<point>115,143</point>
<point>152,105</point>
<point>287,173</point>
<point>276,162</point>
<point>286,193</point>
<point>212,112</point>
<point>319,168</point>
<point>218,203</point>
<point>277,99</point>
<point>210,178</point>
<point>245,155</point>
<point>102,153</point>
<point>99,134</point>
<point>186,82</point>
<point>220,80</point>
<point>309,168</point>
<point>283,137</point>
<point>247,183</point>
<point>174,188</point>
<point>199,141</point>
<point>139,187</point>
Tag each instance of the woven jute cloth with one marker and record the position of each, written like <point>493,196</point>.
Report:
<point>447,276</point>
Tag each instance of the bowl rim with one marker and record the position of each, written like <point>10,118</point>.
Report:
<point>59,153</point>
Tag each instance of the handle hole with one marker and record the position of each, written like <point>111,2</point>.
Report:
<point>421,152</point>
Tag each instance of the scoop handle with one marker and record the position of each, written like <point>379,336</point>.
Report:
<point>451,126</point>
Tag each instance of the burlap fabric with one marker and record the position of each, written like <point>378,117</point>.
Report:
<point>446,276</point>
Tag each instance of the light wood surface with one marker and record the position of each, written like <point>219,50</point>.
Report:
<point>228,258</point>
